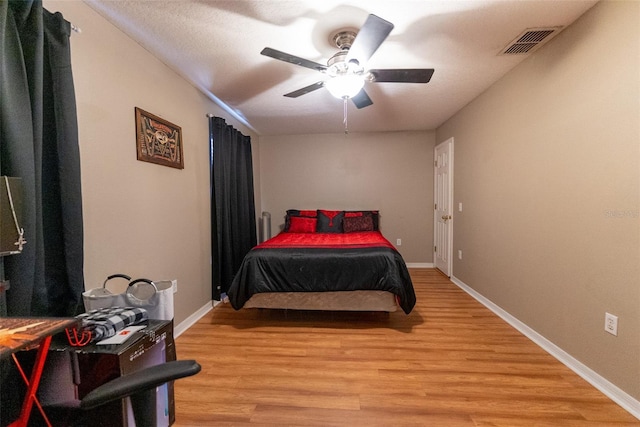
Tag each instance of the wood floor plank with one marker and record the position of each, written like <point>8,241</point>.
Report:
<point>450,362</point>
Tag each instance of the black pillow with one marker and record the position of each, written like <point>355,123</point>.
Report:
<point>329,221</point>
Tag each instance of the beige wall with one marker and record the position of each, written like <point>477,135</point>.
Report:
<point>390,171</point>
<point>547,168</point>
<point>141,219</point>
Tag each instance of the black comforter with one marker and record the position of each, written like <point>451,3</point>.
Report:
<point>317,262</point>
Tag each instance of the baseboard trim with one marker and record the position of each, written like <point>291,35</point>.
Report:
<point>191,320</point>
<point>605,386</point>
<point>419,265</point>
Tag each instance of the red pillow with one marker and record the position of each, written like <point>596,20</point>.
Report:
<point>296,212</point>
<point>353,214</point>
<point>375,216</point>
<point>301,224</point>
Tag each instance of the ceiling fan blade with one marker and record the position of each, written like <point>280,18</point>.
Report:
<point>304,90</point>
<point>374,31</point>
<point>282,56</point>
<point>362,100</point>
<point>409,75</point>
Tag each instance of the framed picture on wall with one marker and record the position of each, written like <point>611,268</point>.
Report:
<point>158,141</point>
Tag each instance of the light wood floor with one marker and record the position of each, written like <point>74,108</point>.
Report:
<point>451,362</point>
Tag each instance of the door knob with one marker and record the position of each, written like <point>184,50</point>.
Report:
<point>446,217</point>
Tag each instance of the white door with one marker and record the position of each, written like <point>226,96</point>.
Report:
<point>443,207</point>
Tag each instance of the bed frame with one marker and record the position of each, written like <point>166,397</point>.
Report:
<point>328,301</point>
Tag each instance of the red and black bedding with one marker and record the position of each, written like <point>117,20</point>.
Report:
<point>324,251</point>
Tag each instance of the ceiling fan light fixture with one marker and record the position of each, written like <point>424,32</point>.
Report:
<point>345,86</point>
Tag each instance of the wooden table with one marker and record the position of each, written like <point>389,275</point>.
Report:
<point>22,333</point>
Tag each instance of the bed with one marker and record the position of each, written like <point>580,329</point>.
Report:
<point>325,260</point>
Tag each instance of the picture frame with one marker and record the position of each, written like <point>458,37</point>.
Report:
<point>158,140</point>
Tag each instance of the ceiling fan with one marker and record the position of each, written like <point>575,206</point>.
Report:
<point>345,69</point>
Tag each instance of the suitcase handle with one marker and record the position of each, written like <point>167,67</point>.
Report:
<point>144,281</point>
<point>114,276</point>
<point>131,289</point>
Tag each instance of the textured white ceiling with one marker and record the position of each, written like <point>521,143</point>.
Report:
<point>216,45</point>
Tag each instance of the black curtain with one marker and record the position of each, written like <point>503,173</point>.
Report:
<point>39,143</point>
<point>233,218</point>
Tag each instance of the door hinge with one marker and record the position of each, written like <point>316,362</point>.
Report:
<point>435,249</point>
<point>435,206</point>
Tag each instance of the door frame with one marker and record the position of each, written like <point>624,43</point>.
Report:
<point>449,254</point>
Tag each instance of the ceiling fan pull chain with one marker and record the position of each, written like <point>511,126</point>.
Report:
<point>345,121</point>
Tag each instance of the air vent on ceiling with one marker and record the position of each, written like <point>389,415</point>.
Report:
<point>529,40</point>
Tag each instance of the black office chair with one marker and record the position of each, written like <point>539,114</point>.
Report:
<point>140,386</point>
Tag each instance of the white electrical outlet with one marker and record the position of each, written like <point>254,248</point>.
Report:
<point>611,323</point>
<point>398,242</point>
<point>459,253</point>
<point>174,285</point>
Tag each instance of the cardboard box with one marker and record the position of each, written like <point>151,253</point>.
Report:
<point>72,372</point>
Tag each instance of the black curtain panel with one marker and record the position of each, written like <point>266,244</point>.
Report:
<point>233,219</point>
<point>39,144</point>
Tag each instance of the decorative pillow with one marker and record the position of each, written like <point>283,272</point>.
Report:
<point>297,213</point>
<point>375,216</point>
<point>307,213</point>
<point>329,221</point>
<point>301,224</point>
<point>357,223</point>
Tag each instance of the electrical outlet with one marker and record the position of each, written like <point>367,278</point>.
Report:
<point>174,285</point>
<point>459,253</point>
<point>398,242</point>
<point>611,323</point>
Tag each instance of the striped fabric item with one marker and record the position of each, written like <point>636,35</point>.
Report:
<point>106,322</point>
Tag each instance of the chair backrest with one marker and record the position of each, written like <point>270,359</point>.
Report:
<point>140,387</point>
